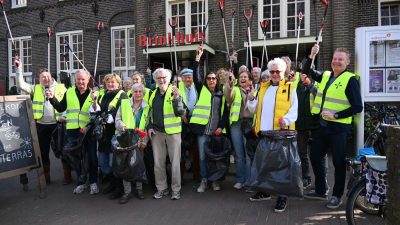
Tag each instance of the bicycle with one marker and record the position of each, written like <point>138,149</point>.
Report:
<point>363,205</point>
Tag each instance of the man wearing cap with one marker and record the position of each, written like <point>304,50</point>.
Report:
<point>189,97</point>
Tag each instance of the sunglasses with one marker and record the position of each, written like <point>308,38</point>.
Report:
<point>211,78</point>
<point>274,71</point>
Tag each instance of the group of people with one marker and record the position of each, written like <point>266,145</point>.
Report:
<point>225,102</point>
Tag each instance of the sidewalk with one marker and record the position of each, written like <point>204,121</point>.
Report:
<point>228,206</point>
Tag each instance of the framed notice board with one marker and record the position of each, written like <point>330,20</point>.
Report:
<point>19,145</point>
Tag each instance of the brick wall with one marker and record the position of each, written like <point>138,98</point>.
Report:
<point>65,16</point>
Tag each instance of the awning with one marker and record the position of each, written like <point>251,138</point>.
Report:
<point>282,41</point>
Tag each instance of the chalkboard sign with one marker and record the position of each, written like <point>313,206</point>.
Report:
<point>19,147</point>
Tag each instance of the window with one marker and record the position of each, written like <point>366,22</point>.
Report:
<point>190,14</point>
<point>283,17</point>
<point>389,13</point>
<point>18,3</point>
<point>123,52</point>
<point>23,48</point>
<point>66,61</point>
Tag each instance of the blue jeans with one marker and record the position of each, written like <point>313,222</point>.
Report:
<point>243,161</point>
<point>201,141</point>
<point>105,162</point>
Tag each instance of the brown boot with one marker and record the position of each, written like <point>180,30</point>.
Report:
<point>46,168</point>
<point>67,172</point>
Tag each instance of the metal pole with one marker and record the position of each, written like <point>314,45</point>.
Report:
<point>298,38</point>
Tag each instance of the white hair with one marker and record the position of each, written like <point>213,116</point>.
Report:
<point>138,85</point>
<point>126,80</point>
<point>163,71</point>
<point>281,65</point>
<point>82,71</point>
<point>265,74</point>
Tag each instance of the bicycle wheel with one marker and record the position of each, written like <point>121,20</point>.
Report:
<point>359,211</point>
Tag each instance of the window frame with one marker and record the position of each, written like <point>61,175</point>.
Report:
<point>14,4</point>
<point>70,57</point>
<point>188,16</point>
<point>128,67</point>
<point>380,2</point>
<point>10,61</point>
<point>283,18</point>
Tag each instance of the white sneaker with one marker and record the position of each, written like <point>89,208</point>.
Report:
<point>238,186</point>
<point>94,189</point>
<point>203,185</point>
<point>216,186</point>
<point>79,189</point>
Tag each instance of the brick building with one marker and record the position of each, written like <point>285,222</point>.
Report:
<point>123,41</point>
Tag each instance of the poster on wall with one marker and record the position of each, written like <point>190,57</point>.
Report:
<point>393,80</point>
<point>377,54</point>
<point>393,53</point>
<point>376,80</point>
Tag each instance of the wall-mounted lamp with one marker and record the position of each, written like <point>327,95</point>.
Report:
<point>42,15</point>
<point>95,8</point>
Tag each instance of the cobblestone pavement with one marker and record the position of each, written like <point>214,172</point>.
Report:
<point>228,206</point>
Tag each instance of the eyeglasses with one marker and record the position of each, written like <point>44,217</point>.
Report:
<point>211,78</point>
<point>274,71</point>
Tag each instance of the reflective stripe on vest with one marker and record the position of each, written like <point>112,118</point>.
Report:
<point>335,97</point>
<point>172,123</point>
<point>235,106</point>
<point>39,98</point>
<point>114,102</point>
<point>202,109</point>
<point>76,117</point>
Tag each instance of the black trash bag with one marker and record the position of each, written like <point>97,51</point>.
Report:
<point>58,139</point>
<point>128,162</point>
<point>251,145</point>
<point>276,168</point>
<point>217,151</point>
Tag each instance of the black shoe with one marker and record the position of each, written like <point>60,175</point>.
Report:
<point>125,198</point>
<point>315,195</point>
<point>260,196</point>
<point>140,194</point>
<point>281,204</point>
<point>115,195</point>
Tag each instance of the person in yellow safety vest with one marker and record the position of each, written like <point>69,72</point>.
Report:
<point>138,78</point>
<point>45,115</point>
<point>108,102</point>
<point>338,100</point>
<point>164,131</point>
<point>210,115</point>
<point>275,108</point>
<point>127,83</point>
<point>77,101</point>
<point>133,113</point>
<point>239,116</point>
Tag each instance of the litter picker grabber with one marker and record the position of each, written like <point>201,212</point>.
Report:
<point>49,34</point>
<point>8,25</point>
<point>248,18</point>
<point>233,29</point>
<point>221,8</point>
<point>317,39</point>
<point>73,53</point>
<point>172,23</point>
<point>301,16</point>
<point>264,28</point>
<point>99,28</point>
<point>147,30</point>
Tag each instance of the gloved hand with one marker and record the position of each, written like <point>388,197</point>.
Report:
<point>218,132</point>
<point>110,119</point>
<point>282,123</point>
